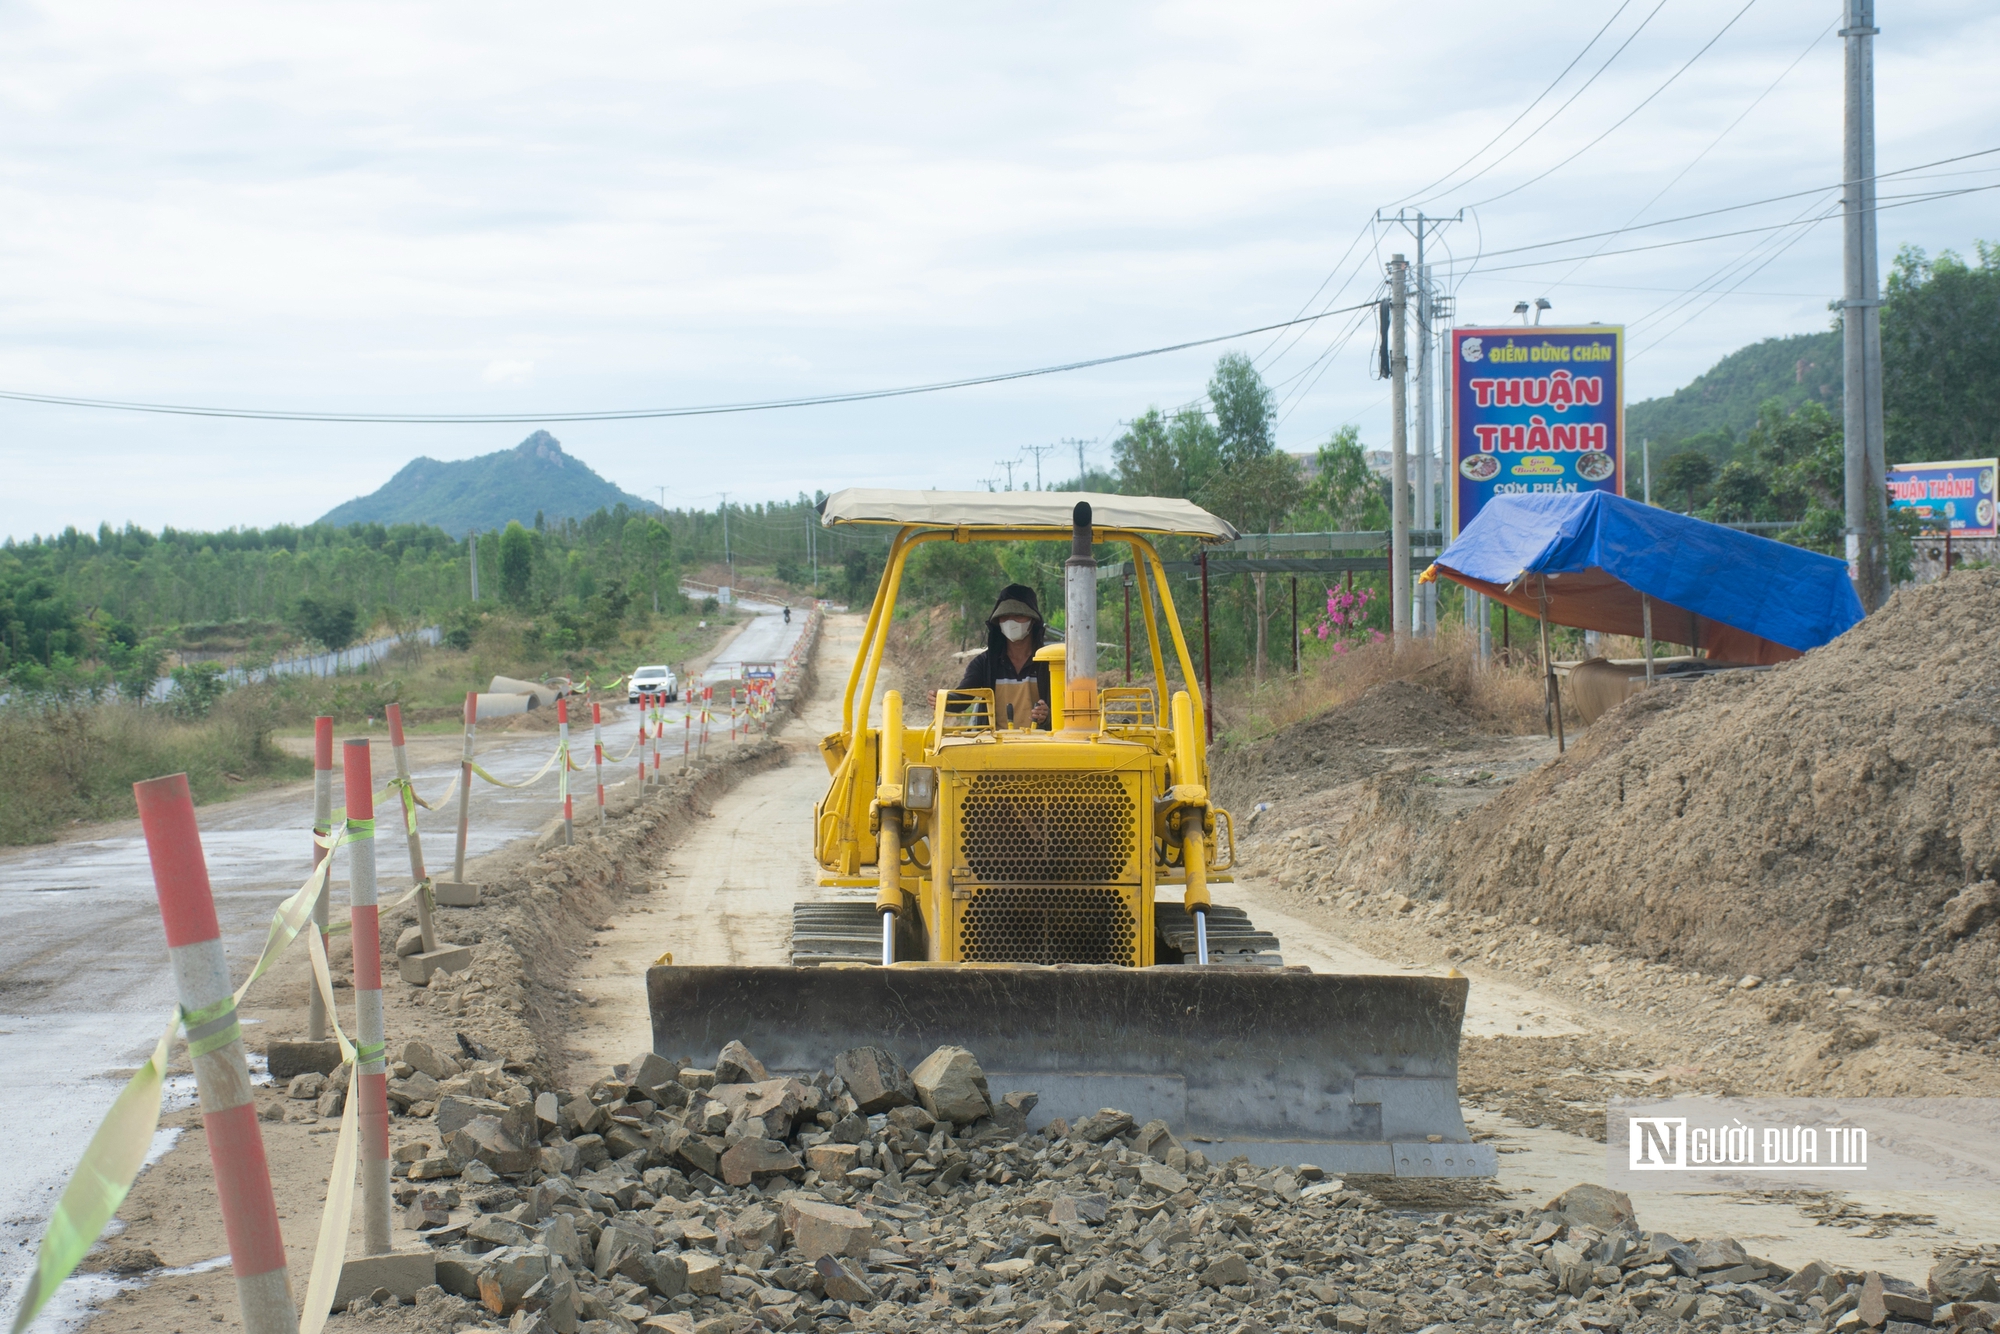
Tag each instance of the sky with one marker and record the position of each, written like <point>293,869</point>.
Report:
<point>520,209</point>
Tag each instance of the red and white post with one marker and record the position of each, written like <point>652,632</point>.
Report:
<point>597,755</point>
<point>562,763</point>
<point>645,702</point>
<point>659,726</point>
<point>404,814</point>
<point>465,785</point>
<point>322,826</point>
<point>228,1106</point>
<point>371,1067</point>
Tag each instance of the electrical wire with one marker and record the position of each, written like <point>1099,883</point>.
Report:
<point>638,414</point>
<point>1571,101</point>
<point>1742,231</point>
<point>1713,143</point>
<point>1508,128</point>
<point>1748,5</point>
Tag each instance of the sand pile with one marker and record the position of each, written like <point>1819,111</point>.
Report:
<point>1833,818</point>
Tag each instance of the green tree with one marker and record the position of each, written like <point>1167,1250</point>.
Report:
<point>1941,356</point>
<point>197,687</point>
<point>1344,489</point>
<point>517,563</point>
<point>329,622</point>
<point>1686,474</point>
<point>1245,410</point>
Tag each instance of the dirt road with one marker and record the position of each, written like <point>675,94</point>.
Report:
<point>726,895</point>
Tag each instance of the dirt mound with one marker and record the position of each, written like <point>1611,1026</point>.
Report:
<point>1833,818</point>
<point>1384,726</point>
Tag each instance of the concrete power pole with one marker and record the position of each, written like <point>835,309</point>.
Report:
<point>1861,321</point>
<point>1038,451</point>
<point>1399,453</point>
<point>1427,510</point>
<point>472,549</point>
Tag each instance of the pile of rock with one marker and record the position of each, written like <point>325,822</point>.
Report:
<point>677,1200</point>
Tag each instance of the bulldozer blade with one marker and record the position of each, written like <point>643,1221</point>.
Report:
<point>1353,1074</point>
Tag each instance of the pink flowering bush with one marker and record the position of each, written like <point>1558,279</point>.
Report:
<point>1342,623</point>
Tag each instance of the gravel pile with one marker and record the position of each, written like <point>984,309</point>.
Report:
<point>723,1200</point>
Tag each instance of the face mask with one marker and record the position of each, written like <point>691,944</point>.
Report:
<point>1014,630</point>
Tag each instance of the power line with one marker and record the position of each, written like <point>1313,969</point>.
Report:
<point>1742,231</point>
<point>1564,107</point>
<point>1531,106</point>
<point>1726,130</point>
<point>639,414</point>
<point>1628,115</point>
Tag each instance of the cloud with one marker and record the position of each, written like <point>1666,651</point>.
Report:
<point>322,207</point>
<point>502,372</point>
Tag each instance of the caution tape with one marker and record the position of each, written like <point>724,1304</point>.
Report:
<point>330,1251</point>
<point>111,1161</point>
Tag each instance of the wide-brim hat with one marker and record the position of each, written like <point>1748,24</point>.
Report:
<point>1015,600</point>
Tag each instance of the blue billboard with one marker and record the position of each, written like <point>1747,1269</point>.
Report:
<point>1535,411</point>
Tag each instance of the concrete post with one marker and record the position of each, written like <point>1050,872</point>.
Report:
<point>322,826</point>
<point>1399,454</point>
<point>425,922</point>
<point>371,1071</point>
<point>222,1076</point>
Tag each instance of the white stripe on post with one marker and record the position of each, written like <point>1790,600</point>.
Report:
<point>222,1077</point>
<point>371,1073</point>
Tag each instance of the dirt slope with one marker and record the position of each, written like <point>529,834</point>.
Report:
<point>1824,819</point>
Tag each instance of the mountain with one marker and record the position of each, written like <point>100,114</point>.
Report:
<point>484,493</point>
<point>1723,401</point>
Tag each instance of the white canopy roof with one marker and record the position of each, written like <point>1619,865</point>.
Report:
<point>1023,509</point>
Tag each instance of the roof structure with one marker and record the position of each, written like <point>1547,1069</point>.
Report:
<point>1595,555</point>
<point>1023,509</point>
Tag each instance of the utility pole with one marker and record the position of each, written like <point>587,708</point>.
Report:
<point>1861,321</point>
<point>1399,453</point>
<point>1426,509</point>
<point>663,499</point>
<point>472,548</point>
<point>1081,469</point>
<point>725,538</point>
<point>1008,464</point>
<point>1038,451</point>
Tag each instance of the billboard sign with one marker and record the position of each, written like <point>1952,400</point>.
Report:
<point>1535,410</point>
<point>1955,497</point>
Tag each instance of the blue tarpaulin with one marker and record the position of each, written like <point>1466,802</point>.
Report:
<point>1742,597</point>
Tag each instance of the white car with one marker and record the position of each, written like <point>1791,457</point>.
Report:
<point>652,681</point>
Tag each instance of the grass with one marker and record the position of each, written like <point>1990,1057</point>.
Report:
<point>70,763</point>
<point>1503,697</point>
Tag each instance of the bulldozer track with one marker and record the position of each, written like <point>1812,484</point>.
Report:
<point>832,933</point>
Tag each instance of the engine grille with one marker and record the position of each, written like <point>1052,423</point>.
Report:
<point>1046,828</point>
<point>1055,924</point>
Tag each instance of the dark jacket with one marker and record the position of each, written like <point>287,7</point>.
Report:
<point>981,674</point>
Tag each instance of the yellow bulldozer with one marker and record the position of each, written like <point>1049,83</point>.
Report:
<point>1043,896</point>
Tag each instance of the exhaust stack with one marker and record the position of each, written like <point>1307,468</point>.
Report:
<point>1080,626</point>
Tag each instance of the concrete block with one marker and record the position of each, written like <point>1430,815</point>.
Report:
<point>452,894</point>
<point>418,968</point>
<point>401,1272</point>
<point>298,1058</point>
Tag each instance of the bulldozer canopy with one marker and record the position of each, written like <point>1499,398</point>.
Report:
<point>1741,597</point>
<point>1023,509</point>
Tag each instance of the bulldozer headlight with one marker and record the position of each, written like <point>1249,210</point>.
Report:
<point>920,787</point>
